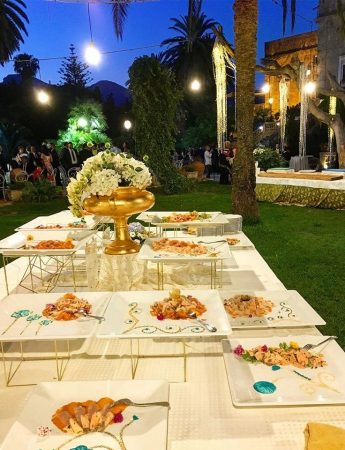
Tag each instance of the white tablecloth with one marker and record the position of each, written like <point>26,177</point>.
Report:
<point>202,416</point>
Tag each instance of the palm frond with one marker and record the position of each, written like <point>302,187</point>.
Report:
<point>284,6</point>
<point>120,10</point>
<point>293,14</point>
<point>13,20</point>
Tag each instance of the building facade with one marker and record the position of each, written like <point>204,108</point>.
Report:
<point>300,46</point>
<point>331,37</point>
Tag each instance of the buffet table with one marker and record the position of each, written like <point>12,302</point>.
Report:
<point>202,415</point>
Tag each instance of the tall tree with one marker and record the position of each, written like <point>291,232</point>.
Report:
<point>26,65</point>
<point>155,96</point>
<point>189,53</point>
<point>13,20</point>
<point>243,189</point>
<point>74,72</point>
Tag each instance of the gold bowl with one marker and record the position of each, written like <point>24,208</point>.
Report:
<point>120,205</point>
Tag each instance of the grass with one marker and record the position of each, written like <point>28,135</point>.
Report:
<point>304,247</point>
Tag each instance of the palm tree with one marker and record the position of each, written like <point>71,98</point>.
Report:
<point>26,65</point>
<point>243,183</point>
<point>13,20</point>
<point>189,53</point>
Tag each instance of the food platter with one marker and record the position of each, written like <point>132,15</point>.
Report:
<point>161,218</point>
<point>22,317</point>
<point>128,315</point>
<point>215,249</point>
<point>24,247</point>
<point>140,426</point>
<point>257,384</point>
<point>289,310</point>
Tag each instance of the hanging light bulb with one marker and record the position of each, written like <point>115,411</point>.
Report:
<point>43,97</point>
<point>195,85</point>
<point>265,88</point>
<point>270,100</point>
<point>310,87</point>
<point>308,72</point>
<point>127,124</point>
<point>92,55</point>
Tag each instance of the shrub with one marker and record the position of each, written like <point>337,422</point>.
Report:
<point>266,157</point>
<point>41,191</point>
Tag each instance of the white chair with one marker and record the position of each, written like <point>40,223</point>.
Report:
<point>21,177</point>
<point>63,176</point>
<point>3,187</point>
<point>72,172</point>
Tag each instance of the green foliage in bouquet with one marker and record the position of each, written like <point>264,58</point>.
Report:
<point>266,157</point>
<point>155,97</point>
<point>86,123</point>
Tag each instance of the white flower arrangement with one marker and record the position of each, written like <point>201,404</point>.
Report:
<point>103,173</point>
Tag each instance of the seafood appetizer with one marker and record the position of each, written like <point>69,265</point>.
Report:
<point>67,307</point>
<point>232,241</point>
<point>186,217</point>
<point>54,244</point>
<point>60,227</point>
<point>179,247</point>
<point>284,355</point>
<point>248,306</point>
<point>82,417</point>
<point>177,306</point>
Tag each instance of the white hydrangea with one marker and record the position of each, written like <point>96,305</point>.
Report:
<point>103,173</point>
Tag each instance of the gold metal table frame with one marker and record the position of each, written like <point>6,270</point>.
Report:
<point>11,365</point>
<point>45,270</point>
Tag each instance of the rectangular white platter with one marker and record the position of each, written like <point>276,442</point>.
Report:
<point>128,315</point>
<point>244,241</point>
<point>294,386</point>
<point>150,427</point>
<point>18,248</point>
<point>156,218</point>
<point>35,303</point>
<point>290,310</point>
<point>219,250</point>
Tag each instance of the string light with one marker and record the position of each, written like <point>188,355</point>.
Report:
<point>127,124</point>
<point>195,85</point>
<point>270,100</point>
<point>82,122</point>
<point>92,55</point>
<point>265,88</point>
<point>43,97</point>
<point>310,87</point>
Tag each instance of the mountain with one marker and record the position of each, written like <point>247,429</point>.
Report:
<point>120,94</point>
<point>17,79</point>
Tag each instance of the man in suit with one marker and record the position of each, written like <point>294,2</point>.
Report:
<point>69,157</point>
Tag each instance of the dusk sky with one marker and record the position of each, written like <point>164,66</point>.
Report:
<point>55,25</point>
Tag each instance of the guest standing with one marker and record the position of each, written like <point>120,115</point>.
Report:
<point>208,161</point>
<point>69,157</point>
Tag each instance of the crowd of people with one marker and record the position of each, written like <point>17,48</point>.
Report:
<point>208,161</point>
<point>45,162</point>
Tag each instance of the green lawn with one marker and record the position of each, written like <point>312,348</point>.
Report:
<point>304,247</point>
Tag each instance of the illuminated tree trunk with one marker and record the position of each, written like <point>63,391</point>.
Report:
<point>243,182</point>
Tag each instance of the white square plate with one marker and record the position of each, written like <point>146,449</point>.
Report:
<point>46,398</point>
<point>244,243</point>
<point>20,250</point>
<point>290,310</point>
<point>128,315</point>
<point>35,303</point>
<point>294,386</point>
<point>219,250</point>
<point>156,217</point>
